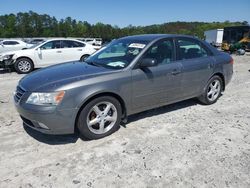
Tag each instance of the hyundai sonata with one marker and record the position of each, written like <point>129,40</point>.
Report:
<point>130,75</point>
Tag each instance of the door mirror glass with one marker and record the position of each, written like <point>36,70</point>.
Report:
<point>148,62</point>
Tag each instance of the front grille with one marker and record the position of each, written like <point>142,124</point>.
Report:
<point>19,93</point>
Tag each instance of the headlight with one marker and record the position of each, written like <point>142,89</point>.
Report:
<point>53,98</point>
<point>7,57</point>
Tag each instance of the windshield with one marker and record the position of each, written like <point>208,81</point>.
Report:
<point>118,54</point>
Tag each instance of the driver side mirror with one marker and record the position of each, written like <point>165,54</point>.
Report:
<point>39,51</point>
<point>148,62</point>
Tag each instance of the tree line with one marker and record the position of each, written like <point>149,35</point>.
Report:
<point>31,24</point>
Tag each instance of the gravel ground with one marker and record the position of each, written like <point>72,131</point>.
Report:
<point>180,145</point>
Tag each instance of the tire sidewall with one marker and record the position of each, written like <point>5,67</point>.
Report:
<point>84,57</point>
<point>82,119</point>
<point>23,59</point>
<point>207,101</point>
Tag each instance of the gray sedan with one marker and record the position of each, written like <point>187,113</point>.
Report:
<point>130,75</point>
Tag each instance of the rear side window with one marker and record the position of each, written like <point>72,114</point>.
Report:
<point>190,49</point>
<point>162,51</point>
<point>51,45</point>
<point>71,44</point>
<point>10,42</point>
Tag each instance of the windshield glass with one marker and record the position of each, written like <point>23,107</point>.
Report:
<point>118,54</point>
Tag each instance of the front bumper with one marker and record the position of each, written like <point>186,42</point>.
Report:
<point>6,63</point>
<point>46,119</point>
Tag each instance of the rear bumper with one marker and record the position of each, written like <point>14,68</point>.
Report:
<point>228,74</point>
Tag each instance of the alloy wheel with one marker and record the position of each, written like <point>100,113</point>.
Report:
<point>24,66</point>
<point>102,117</point>
<point>213,91</point>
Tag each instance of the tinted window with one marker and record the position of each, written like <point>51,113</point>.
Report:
<point>189,49</point>
<point>10,42</point>
<point>71,44</point>
<point>52,45</point>
<point>162,51</point>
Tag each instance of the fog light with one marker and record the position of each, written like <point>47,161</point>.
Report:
<point>42,125</point>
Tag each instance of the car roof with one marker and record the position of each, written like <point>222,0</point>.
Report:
<point>53,39</point>
<point>152,37</point>
<point>12,40</point>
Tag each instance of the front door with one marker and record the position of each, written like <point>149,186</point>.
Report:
<point>155,86</point>
<point>50,53</point>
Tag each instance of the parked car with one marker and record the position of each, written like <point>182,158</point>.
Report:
<point>94,41</point>
<point>50,52</point>
<point>130,75</point>
<point>36,41</point>
<point>11,45</point>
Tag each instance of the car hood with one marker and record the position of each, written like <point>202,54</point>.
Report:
<point>53,77</point>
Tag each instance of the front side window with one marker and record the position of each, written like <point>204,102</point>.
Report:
<point>51,45</point>
<point>189,49</point>
<point>162,51</point>
<point>118,54</point>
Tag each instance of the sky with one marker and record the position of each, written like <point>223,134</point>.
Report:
<point>135,12</point>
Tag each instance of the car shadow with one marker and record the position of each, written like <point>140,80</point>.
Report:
<point>4,71</point>
<point>162,110</point>
<point>72,138</point>
<point>51,139</point>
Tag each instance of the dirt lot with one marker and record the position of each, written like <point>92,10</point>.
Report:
<point>181,145</point>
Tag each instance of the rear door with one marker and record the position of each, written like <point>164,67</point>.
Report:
<point>197,65</point>
<point>72,50</point>
<point>155,86</point>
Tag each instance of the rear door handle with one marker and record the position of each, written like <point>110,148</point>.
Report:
<point>59,51</point>
<point>175,72</point>
<point>79,49</point>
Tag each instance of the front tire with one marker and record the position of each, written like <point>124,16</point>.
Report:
<point>212,92</point>
<point>100,118</point>
<point>23,66</point>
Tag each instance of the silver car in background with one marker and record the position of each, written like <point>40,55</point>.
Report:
<point>130,75</point>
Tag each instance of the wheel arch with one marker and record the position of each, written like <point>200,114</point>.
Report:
<point>84,55</point>
<point>111,94</point>
<point>222,78</point>
<point>26,58</point>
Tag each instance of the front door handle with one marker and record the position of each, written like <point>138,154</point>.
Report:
<point>175,72</point>
<point>59,51</point>
<point>79,49</point>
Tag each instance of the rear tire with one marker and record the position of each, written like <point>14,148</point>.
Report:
<point>24,66</point>
<point>212,92</point>
<point>84,57</point>
<point>100,118</point>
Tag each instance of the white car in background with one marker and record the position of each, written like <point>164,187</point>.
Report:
<point>48,53</point>
<point>11,45</point>
<point>96,42</point>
